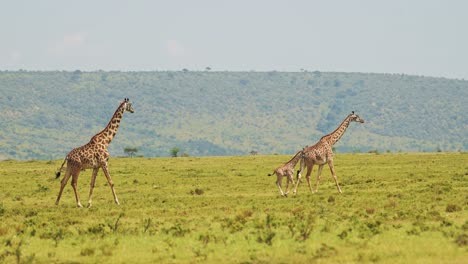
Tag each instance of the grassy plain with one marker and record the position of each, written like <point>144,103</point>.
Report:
<point>395,208</point>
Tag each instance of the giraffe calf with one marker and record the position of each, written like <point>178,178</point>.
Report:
<point>287,170</point>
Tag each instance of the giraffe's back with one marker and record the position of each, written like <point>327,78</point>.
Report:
<point>88,156</point>
<point>319,153</point>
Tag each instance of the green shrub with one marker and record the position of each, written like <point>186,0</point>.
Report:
<point>452,208</point>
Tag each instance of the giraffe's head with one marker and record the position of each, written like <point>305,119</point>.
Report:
<point>355,118</point>
<point>127,105</point>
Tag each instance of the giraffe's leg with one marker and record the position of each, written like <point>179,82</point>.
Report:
<point>299,174</point>
<point>279,179</point>
<point>93,181</point>
<point>332,169</point>
<point>74,183</point>
<point>290,179</point>
<point>63,183</point>
<point>298,180</point>
<point>318,177</point>
<point>309,170</point>
<point>109,180</point>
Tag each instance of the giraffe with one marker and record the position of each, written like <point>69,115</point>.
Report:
<point>287,170</point>
<point>321,153</point>
<point>93,155</point>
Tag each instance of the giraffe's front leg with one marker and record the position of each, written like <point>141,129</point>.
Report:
<point>309,170</point>
<point>109,180</point>
<point>319,173</point>
<point>298,177</point>
<point>332,169</point>
<point>93,182</point>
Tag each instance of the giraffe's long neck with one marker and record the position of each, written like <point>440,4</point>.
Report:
<point>107,134</point>
<point>295,159</point>
<point>334,136</point>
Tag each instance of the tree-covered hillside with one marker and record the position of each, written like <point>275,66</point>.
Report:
<point>46,114</point>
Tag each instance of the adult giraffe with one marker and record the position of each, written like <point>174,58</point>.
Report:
<point>93,155</point>
<point>321,153</point>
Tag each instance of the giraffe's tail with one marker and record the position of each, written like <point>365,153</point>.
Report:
<point>297,174</point>
<point>57,174</point>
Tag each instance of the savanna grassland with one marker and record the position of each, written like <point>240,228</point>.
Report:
<point>395,208</point>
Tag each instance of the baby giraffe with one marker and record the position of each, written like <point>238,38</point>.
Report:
<point>287,170</point>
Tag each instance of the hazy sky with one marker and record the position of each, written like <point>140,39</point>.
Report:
<point>421,37</point>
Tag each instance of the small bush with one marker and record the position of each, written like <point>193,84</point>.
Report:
<point>462,240</point>
<point>452,208</point>
<point>446,223</point>
<point>55,234</point>
<point>465,226</point>
<point>265,233</point>
<point>114,225</point>
<point>42,188</point>
<point>413,232</point>
<point>343,234</point>
<point>147,224</point>
<point>177,230</point>
<point>391,204</point>
<point>302,224</point>
<point>325,251</point>
<point>97,229</point>
<point>87,252</point>
<point>197,192</point>
<point>106,250</point>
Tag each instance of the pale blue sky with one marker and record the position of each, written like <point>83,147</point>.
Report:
<point>400,36</point>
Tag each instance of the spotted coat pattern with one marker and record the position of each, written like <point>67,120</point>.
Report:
<point>93,155</point>
<point>287,170</point>
<point>322,153</point>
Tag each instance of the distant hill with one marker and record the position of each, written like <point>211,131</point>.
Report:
<point>46,114</point>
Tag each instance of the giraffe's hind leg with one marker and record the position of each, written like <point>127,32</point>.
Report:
<point>279,179</point>
<point>63,183</point>
<point>74,183</point>
<point>93,182</point>
<point>109,180</point>
<point>319,173</point>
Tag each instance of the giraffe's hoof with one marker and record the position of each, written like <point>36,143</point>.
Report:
<point>89,205</point>
<point>79,205</point>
